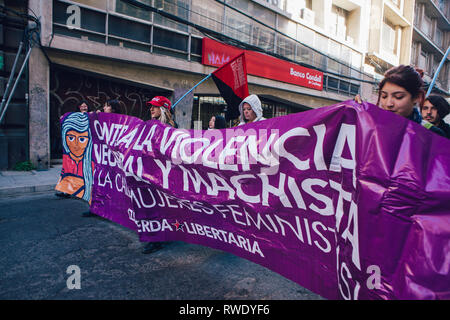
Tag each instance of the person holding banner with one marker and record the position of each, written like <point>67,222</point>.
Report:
<point>111,106</point>
<point>83,107</point>
<point>400,91</point>
<point>159,110</point>
<point>250,110</point>
<point>434,110</point>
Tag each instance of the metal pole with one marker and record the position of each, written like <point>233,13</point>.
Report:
<point>15,84</point>
<point>437,72</point>
<point>204,79</point>
<point>11,76</point>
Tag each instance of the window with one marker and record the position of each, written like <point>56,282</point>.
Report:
<point>170,39</point>
<point>320,60</point>
<point>196,49</point>
<point>426,26</point>
<point>305,35</point>
<point>263,37</point>
<point>304,54</point>
<point>388,36</point>
<point>438,37</point>
<point>332,84</point>
<point>179,8</point>
<point>237,25</point>
<point>252,9</point>
<point>208,14</point>
<point>354,89</point>
<point>127,29</point>
<point>100,4</point>
<point>338,23</point>
<point>344,86</point>
<point>286,26</point>
<point>286,47</point>
<point>89,19</point>
<point>129,10</point>
<point>423,60</point>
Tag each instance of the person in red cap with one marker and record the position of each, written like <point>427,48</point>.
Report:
<point>160,110</point>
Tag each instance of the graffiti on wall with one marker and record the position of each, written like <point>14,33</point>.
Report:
<point>68,88</point>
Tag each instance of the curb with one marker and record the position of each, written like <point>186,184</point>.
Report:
<point>26,189</point>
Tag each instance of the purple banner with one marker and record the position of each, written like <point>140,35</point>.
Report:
<point>349,201</point>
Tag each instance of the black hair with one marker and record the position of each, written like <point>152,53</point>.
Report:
<point>406,77</point>
<point>220,122</point>
<point>115,105</point>
<point>440,104</point>
<point>85,102</point>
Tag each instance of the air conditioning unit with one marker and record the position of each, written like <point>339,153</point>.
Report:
<point>307,15</point>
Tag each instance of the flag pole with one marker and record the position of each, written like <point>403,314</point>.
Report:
<point>204,79</point>
<point>437,72</point>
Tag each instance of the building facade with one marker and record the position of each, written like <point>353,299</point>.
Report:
<point>431,38</point>
<point>390,33</point>
<point>132,50</point>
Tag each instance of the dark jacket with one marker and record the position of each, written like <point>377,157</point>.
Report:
<point>445,127</point>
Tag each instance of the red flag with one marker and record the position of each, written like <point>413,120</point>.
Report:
<point>231,80</point>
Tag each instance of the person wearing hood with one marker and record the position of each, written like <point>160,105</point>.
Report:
<point>251,110</point>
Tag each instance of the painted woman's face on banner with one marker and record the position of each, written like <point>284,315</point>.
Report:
<point>77,142</point>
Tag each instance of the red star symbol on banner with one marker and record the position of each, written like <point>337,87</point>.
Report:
<point>178,225</point>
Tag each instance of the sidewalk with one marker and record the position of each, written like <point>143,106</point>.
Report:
<point>20,182</point>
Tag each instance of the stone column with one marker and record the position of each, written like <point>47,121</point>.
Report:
<point>183,110</point>
<point>39,89</point>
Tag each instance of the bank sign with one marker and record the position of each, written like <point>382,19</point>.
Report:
<point>216,54</point>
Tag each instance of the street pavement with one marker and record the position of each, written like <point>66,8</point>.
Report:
<point>42,235</point>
